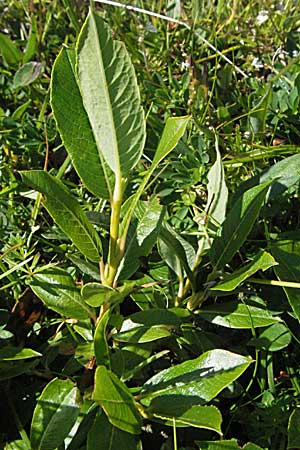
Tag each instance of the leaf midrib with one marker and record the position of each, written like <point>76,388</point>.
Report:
<point>53,415</point>
<point>77,219</point>
<point>74,299</point>
<point>106,89</point>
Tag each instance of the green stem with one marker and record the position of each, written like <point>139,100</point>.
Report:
<point>128,216</point>
<point>115,251</point>
<point>181,289</point>
<point>63,167</point>
<point>283,284</point>
<point>174,434</point>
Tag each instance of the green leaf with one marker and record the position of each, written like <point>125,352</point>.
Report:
<point>32,42</point>
<point>96,294</point>
<point>173,131</point>
<point>78,434</point>
<point>54,415</point>
<point>147,326</point>
<point>74,125</point>
<point>101,349</point>
<point>273,339</point>
<point>56,288</point>
<point>237,225</point>
<point>238,315</point>
<point>110,95</point>
<point>104,436</point>
<point>217,192</point>
<point>170,246</point>
<point>251,446</point>
<point>17,445</point>
<point>10,353</point>
<point>27,74</point>
<point>231,444</point>
<point>201,378</point>
<point>262,261</point>
<point>86,267</point>
<point>286,253</point>
<point>14,368</point>
<point>18,113</point>
<point>133,370</point>
<point>10,52</point>
<point>116,400</point>
<point>185,413</point>
<point>285,174</point>
<point>293,430</point>
<point>142,235</point>
<point>176,251</point>
<point>66,212</point>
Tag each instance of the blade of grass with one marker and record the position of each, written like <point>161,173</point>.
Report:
<point>16,267</point>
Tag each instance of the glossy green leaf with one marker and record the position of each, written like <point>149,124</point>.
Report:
<point>171,247</point>
<point>273,339</point>
<point>284,173</point>
<point>66,212</point>
<point>54,415</point>
<point>294,430</point>
<point>110,95</point>
<point>104,436</point>
<point>142,235</point>
<point>56,288</point>
<point>17,445</point>
<point>9,353</point>
<point>185,413</point>
<point>85,329</point>
<point>84,352</point>
<point>217,192</point>
<point>201,378</point>
<point>142,335</point>
<point>231,444</point>
<point>116,400</point>
<point>148,215</point>
<point>101,349</point>
<point>286,253</point>
<point>251,446</point>
<point>147,326</point>
<point>173,131</point>
<point>27,74</point>
<point>262,261</point>
<point>237,226</point>
<point>10,52</point>
<point>175,250</point>
<point>78,434</point>
<point>86,267</point>
<point>238,315</point>
<point>96,294</point>
<point>74,125</point>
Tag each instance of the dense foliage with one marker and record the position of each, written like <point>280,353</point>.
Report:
<point>149,225</point>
